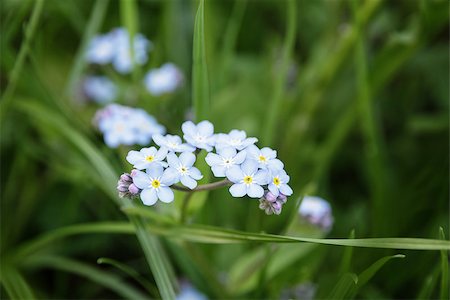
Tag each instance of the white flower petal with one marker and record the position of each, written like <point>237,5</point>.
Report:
<point>275,164</point>
<point>249,167</point>
<point>238,190</point>
<point>273,189</point>
<point>159,139</point>
<point>187,159</point>
<point>155,170</point>
<point>173,160</point>
<point>240,157</point>
<point>218,171</point>
<point>170,176</point>
<point>195,173</point>
<point>227,152</point>
<point>149,197</point>
<point>255,191</point>
<point>261,177</point>
<point>286,190</point>
<point>213,159</point>
<point>206,128</point>
<point>134,156</point>
<point>165,194</point>
<point>188,128</point>
<point>188,181</point>
<point>234,174</point>
<point>141,179</point>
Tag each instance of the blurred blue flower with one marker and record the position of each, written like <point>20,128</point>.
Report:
<point>183,166</point>
<point>188,292</point>
<point>317,211</point>
<point>278,183</point>
<point>155,183</point>
<point>200,135</point>
<point>100,89</point>
<point>265,157</point>
<point>164,80</point>
<point>236,139</point>
<point>172,142</point>
<point>101,49</point>
<point>224,159</point>
<point>144,158</point>
<point>247,179</point>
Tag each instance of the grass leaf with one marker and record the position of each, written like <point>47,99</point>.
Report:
<point>14,283</point>
<point>343,286</point>
<point>444,268</point>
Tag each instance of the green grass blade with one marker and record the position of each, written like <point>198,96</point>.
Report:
<point>200,83</point>
<point>347,258</point>
<point>130,19</point>
<point>25,47</point>
<point>15,284</point>
<point>429,284</point>
<point>444,268</point>
<point>93,26</point>
<point>108,280</point>
<point>367,274</point>
<point>130,272</point>
<point>343,286</point>
<point>275,107</point>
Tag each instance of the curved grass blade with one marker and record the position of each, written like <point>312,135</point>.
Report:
<point>93,26</point>
<point>200,84</point>
<point>444,268</point>
<point>14,283</point>
<point>102,278</point>
<point>344,286</point>
<point>347,257</point>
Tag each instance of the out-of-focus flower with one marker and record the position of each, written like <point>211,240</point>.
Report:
<point>236,139</point>
<point>114,47</point>
<point>183,165</point>
<point>247,179</point>
<point>100,89</point>
<point>224,159</point>
<point>155,183</point>
<point>172,142</point>
<point>272,204</point>
<point>188,292</point>
<point>122,125</point>
<point>317,211</point>
<point>164,80</point>
<point>126,187</point>
<point>278,183</point>
<point>265,157</point>
<point>303,291</point>
<point>200,135</point>
<point>146,156</point>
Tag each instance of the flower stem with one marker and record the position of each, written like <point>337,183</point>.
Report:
<point>203,187</point>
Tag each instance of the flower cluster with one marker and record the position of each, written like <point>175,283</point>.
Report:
<point>250,171</point>
<point>164,80</point>
<point>114,48</point>
<point>317,212</point>
<point>122,125</point>
<point>100,89</point>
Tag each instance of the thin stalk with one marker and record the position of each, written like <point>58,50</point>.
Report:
<point>280,84</point>
<point>203,187</point>
<point>184,207</point>
<point>130,19</point>
<point>15,73</point>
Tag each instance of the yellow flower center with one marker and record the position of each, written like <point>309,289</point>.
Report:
<point>276,181</point>
<point>183,169</point>
<point>156,184</point>
<point>248,179</point>
<point>262,158</point>
<point>149,158</point>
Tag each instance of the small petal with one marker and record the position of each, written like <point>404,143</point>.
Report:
<point>234,174</point>
<point>195,173</point>
<point>188,182</point>
<point>261,177</point>
<point>149,197</point>
<point>187,159</point>
<point>213,159</point>
<point>165,194</point>
<point>141,179</point>
<point>155,170</point>
<point>249,167</point>
<point>238,190</point>
<point>273,189</point>
<point>170,176</point>
<point>188,128</point>
<point>240,157</point>
<point>255,191</point>
<point>219,171</point>
<point>173,160</point>
<point>286,190</point>
<point>206,128</point>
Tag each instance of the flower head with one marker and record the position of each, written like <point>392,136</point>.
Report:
<point>126,187</point>
<point>265,157</point>
<point>236,139</point>
<point>272,204</point>
<point>278,183</point>
<point>163,80</point>
<point>247,179</point>
<point>200,135</point>
<point>173,143</point>
<point>101,49</point>
<point>100,89</point>
<point>183,166</point>
<point>224,159</point>
<point>144,158</point>
<point>317,211</point>
<point>155,183</point>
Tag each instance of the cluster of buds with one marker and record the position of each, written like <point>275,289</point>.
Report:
<point>126,187</point>
<point>272,204</point>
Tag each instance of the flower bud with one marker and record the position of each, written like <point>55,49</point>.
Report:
<point>271,204</point>
<point>133,189</point>
<point>125,186</point>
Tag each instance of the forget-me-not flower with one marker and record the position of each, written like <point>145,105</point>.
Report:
<point>164,80</point>
<point>265,157</point>
<point>155,183</point>
<point>200,135</point>
<point>236,139</point>
<point>247,179</point>
<point>118,132</point>
<point>146,126</point>
<point>101,49</point>
<point>224,159</point>
<point>183,165</point>
<point>100,89</point>
<point>317,211</point>
<point>278,183</point>
<point>172,142</point>
<point>122,59</point>
<point>144,158</point>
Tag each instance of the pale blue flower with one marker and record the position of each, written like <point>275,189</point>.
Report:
<point>101,49</point>
<point>247,179</point>
<point>122,59</point>
<point>145,126</point>
<point>144,158</point>
<point>155,184</point>
<point>188,292</point>
<point>118,132</point>
<point>200,135</point>
<point>236,139</point>
<point>224,159</point>
<point>265,157</point>
<point>164,80</point>
<point>317,211</point>
<point>183,166</point>
<point>100,89</point>
<point>172,142</point>
<point>278,183</point>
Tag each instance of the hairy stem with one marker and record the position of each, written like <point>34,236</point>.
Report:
<point>203,187</point>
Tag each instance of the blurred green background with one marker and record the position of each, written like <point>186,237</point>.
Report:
<point>354,96</point>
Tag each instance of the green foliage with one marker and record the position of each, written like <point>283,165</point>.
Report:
<point>352,95</point>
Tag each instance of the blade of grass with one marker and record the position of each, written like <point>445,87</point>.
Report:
<point>15,284</point>
<point>429,284</point>
<point>274,110</point>
<point>200,84</point>
<point>343,286</point>
<point>100,277</point>
<point>93,26</point>
<point>25,47</point>
<point>347,257</point>
<point>130,19</point>
<point>444,268</point>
